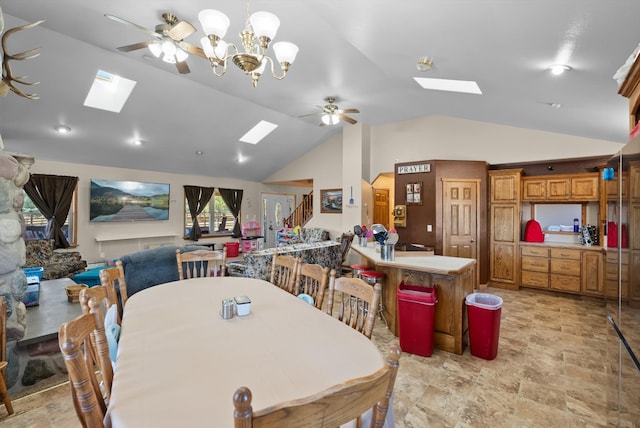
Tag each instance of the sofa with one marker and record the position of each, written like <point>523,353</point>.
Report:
<point>55,264</point>
<point>312,245</point>
<point>146,268</point>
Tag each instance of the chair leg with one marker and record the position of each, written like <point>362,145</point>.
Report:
<point>4,395</point>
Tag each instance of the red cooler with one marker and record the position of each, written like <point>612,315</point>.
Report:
<point>416,316</point>
<point>232,248</point>
<point>484,312</point>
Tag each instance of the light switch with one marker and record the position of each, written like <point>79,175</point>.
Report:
<point>429,228</point>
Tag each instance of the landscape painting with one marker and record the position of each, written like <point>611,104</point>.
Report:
<point>331,201</point>
<point>112,200</point>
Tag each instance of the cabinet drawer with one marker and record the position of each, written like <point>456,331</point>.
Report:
<point>535,251</point>
<point>535,279</point>
<point>612,272</point>
<point>612,257</point>
<point>564,253</point>
<point>565,282</point>
<point>566,267</point>
<point>611,289</point>
<point>536,264</point>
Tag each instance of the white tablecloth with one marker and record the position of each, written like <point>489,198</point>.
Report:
<point>179,362</point>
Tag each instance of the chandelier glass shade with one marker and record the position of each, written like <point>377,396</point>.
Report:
<point>260,30</point>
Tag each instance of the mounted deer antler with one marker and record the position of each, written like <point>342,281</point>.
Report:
<point>7,76</point>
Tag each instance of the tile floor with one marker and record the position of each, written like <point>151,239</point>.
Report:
<point>550,372</point>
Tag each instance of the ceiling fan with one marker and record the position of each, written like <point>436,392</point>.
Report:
<point>169,41</point>
<point>331,114</point>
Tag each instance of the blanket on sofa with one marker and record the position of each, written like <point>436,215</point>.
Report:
<point>146,268</point>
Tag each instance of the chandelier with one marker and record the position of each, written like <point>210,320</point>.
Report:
<point>260,29</point>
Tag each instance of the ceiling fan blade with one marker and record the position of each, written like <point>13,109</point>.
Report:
<point>134,46</point>
<point>182,67</point>
<point>347,119</point>
<point>191,49</point>
<point>310,114</point>
<point>181,30</point>
<point>124,21</point>
<point>351,110</point>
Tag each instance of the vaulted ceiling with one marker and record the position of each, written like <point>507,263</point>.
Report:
<point>362,52</point>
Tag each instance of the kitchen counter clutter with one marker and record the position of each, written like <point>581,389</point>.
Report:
<point>453,277</point>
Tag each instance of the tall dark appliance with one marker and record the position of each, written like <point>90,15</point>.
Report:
<point>622,286</point>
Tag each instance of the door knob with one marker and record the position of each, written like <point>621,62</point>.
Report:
<point>473,240</point>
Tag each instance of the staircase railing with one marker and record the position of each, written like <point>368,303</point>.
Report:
<point>303,212</point>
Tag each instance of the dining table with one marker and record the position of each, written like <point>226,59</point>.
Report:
<point>179,362</point>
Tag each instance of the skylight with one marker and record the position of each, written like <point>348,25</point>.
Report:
<point>466,86</point>
<point>258,132</point>
<point>109,92</point>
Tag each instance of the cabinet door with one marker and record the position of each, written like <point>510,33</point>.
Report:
<point>534,189</point>
<point>585,189</point>
<point>592,273</point>
<point>504,188</point>
<point>634,177</point>
<point>558,189</point>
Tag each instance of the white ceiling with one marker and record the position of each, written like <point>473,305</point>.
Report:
<point>364,52</point>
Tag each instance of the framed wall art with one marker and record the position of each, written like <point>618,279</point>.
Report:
<point>331,201</point>
<point>414,193</point>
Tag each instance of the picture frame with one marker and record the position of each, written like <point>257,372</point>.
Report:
<point>128,201</point>
<point>331,201</point>
<point>414,193</point>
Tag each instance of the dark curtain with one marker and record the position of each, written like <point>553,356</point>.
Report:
<point>52,195</point>
<point>197,198</point>
<point>233,199</point>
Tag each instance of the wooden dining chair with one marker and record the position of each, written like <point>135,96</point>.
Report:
<point>201,263</point>
<point>283,272</point>
<point>113,280</point>
<point>346,239</point>
<point>86,355</point>
<point>4,393</point>
<point>358,302</point>
<point>103,299</point>
<point>332,407</point>
<point>312,279</point>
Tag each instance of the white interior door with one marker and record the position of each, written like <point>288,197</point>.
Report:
<point>275,209</point>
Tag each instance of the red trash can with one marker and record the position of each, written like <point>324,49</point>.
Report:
<point>232,248</point>
<point>484,311</point>
<point>416,316</point>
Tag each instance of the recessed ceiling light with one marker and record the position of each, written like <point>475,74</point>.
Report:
<point>63,129</point>
<point>558,69</point>
<point>466,86</point>
<point>199,152</point>
<point>137,142</point>
<point>555,105</point>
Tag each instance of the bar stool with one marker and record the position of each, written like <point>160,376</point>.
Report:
<point>372,277</point>
<point>356,270</point>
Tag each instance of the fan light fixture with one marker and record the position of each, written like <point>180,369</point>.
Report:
<point>330,119</point>
<point>260,29</point>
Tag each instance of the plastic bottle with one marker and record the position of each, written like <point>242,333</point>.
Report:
<point>576,225</point>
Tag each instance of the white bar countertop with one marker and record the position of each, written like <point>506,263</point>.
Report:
<point>416,260</point>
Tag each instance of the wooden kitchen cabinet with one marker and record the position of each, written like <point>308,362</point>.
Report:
<point>564,268</point>
<point>561,188</point>
<point>570,270</point>
<point>504,234</point>
<point>592,273</point>
<point>615,271</point>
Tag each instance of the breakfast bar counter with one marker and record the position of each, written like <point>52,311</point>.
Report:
<point>453,277</point>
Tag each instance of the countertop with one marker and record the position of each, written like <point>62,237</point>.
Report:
<point>417,260</point>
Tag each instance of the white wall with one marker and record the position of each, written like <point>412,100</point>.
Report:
<point>140,235</point>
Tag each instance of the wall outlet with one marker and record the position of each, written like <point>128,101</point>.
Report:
<point>429,228</point>
<point>102,255</point>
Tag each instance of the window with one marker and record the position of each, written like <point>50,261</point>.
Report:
<point>36,223</point>
<point>215,219</point>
